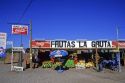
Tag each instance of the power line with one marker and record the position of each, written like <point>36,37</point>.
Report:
<point>26,9</point>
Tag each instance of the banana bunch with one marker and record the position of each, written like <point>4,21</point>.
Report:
<point>81,64</point>
<point>90,64</point>
<point>57,64</point>
<point>47,64</point>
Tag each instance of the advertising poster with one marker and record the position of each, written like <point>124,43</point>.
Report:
<point>3,38</point>
<point>20,29</point>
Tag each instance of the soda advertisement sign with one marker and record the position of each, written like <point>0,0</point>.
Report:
<point>120,44</point>
<point>20,29</point>
<point>41,44</point>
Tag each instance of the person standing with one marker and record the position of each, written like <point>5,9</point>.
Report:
<point>100,64</point>
<point>35,61</point>
<point>26,59</point>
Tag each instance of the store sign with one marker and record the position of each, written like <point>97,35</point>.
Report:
<point>77,44</point>
<point>81,44</point>
<point>20,29</point>
<point>3,38</point>
<point>41,44</point>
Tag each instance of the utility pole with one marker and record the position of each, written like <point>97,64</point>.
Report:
<point>30,44</point>
<point>118,53</point>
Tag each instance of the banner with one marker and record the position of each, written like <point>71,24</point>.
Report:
<point>41,44</point>
<point>81,44</point>
<point>71,44</point>
<point>3,38</point>
<point>67,44</point>
<point>20,29</point>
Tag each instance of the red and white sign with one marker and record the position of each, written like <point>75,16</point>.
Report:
<point>120,44</point>
<point>20,29</point>
<point>41,44</point>
<point>3,38</point>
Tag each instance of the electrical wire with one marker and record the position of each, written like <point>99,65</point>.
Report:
<point>24,12</point>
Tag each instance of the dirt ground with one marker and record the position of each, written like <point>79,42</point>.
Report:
<point>40,75</point>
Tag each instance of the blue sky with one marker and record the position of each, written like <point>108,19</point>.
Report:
<point>65,19</point>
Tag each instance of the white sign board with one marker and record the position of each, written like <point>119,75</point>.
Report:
<point>3,38</point>
<point>81,44</point>
<point>18,49</point>
<point>16,68</point>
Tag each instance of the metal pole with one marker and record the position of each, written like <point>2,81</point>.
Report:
<point>30,44</point>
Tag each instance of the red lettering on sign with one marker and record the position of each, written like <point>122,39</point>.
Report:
<point>41,44</point>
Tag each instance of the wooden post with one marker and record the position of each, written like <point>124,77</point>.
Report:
<point>30,44</point>
<point>97,58</point>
